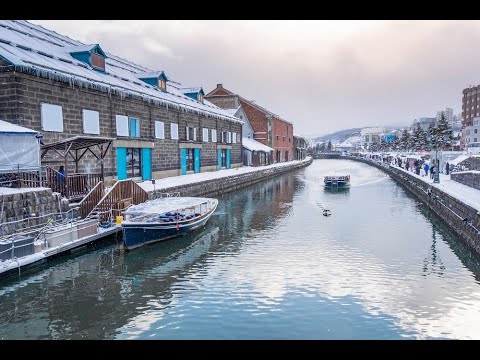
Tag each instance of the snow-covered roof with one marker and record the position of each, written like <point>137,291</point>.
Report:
<point>33,49</point>
<point>9,128</point>
<point>80,48</point>
<point>191,90</point>
<point>149,74</point>
<point>254,145</point>
<point>232,111</point>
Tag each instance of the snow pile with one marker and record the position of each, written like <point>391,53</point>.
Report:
<point>6,127</point>
<point>206,176</point>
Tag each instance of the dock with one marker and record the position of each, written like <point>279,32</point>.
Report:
<point>14,265</point>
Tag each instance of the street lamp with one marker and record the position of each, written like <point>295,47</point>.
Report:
<point>436,174</point>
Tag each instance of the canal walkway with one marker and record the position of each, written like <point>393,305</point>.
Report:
<point>468,195</point>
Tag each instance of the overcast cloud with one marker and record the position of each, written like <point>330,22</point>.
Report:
<point>321,75</point>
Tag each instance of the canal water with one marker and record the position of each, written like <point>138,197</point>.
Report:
<point>268,265</point>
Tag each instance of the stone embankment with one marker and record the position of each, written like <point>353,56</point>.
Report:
<point>462,218</point>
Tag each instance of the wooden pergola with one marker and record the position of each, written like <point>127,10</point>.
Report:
<point>77,147</point>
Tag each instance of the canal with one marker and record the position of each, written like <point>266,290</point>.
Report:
<point>268,265</point>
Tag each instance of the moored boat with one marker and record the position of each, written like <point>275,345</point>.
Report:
<point>165,218</point>
<point>337,181</point>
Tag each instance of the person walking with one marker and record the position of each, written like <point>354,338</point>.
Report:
<point>432,171</point>
<point>447,168</point>
<point>426,168</point>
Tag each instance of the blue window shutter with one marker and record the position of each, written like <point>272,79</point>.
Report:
<point>146,164</point>
<point>121,163</point>
<point>228,158</point>
<point>133,127</point>
<point>196,158</point>
<point>137,133</point>
<point>219,159</point>
<point>183,161</point>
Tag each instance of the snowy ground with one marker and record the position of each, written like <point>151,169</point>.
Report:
<point>10,191</point>
<point>464,193</point>
<point>199,177</point>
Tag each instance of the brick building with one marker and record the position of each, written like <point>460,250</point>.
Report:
<point>300,145</point>
<point>63,88</point>
<point>265,126</point>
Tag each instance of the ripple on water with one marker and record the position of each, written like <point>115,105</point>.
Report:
<point>268,265</point>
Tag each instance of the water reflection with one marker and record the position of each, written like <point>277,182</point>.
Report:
<point>268,265</point>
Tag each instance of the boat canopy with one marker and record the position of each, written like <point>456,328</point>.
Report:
<point>164,205</point>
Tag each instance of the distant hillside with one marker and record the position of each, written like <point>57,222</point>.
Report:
<point>344,134</point>
<point>339,135</point>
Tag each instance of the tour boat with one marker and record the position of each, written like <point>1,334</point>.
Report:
<point>337,181</point>
<point>164,218</point>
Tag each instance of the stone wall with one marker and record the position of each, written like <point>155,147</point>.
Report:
<point>462,218</point>
<point>469,178</point>
<point>223,185</point>
<point>26,205</point>
<point>471,163</point>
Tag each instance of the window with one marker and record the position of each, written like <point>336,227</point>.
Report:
<point>190,160</point>
<point>122,125</point>
<point>134,127</point>
<point>159,130</point>
<point>174,131</point>
<point>161,84</point>
<point>91,123</point>
<point>205,135</point>
<point>134,162</point>
<point>277,137</point>
<point>214,135</point>
<point>200,97</point>
<point>97,61</point>
<point>475,131</point>
<point>234,138</point>
<point>289,140</point>
<point>224,137</point>
<point>229,137</point>
<point>283,138</point>
<point>190,134</point>
<point>224,158</point>
<point>52,117</point>
<point>474,139</point>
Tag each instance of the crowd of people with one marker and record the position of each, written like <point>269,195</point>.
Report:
<point>421,166</point>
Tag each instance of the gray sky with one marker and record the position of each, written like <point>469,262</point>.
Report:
<point>323,76</point>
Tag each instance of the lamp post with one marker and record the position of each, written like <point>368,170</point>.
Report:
<point>436,174</point>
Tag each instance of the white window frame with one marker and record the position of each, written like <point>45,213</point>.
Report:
<point>214,135</point>
<point>205,134</point>
<point>91,122</point>
<point>52,117</point>
<point>187,133</point>
<point>122,125</point>
<point>174,131</point>
<point>234,138</point>
<point>229,137</point>
<point>159,130</point>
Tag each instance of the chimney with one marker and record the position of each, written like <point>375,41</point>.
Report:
<point>219,86</point>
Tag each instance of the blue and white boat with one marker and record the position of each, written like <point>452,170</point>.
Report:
<point>337,181</point>
<point>165,218</point>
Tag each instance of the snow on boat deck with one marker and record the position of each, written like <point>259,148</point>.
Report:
<point>164,205</point>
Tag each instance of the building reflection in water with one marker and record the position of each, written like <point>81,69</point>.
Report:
<point>95,294</point>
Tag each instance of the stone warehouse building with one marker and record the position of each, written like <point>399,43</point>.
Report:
<point>266,127</point>
<point>63,88</point>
